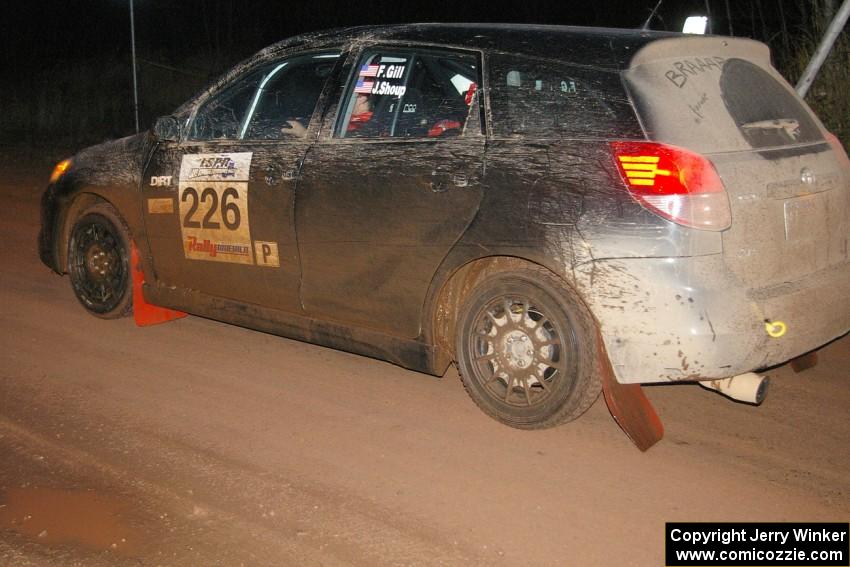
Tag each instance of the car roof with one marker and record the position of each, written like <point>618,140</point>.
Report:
<point>604,48</point>
<point>609,48</point>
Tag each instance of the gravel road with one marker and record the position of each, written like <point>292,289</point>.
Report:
<point>200,443</point>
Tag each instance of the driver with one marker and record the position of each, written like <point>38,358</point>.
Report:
<point>361,114</point>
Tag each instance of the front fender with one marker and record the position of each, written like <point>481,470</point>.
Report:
<point>109,172</point>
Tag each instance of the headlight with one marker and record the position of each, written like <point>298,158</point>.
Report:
<point>59,170</point>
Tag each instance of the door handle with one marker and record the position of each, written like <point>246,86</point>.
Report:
<point>440,181</point>
<point>274,175</point>
<point>438,185</point>
<point>271,173</point>
<point>460,179</point>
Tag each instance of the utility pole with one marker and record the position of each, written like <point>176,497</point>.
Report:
<point>135,82</point>
<point>729,19</point>
<point>823,49</point>
<point>648,21</point>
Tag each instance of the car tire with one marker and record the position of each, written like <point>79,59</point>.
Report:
<point>99,262</point>
<point>526,349</point>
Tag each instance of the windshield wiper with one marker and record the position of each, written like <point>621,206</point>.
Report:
<point>790,126</point>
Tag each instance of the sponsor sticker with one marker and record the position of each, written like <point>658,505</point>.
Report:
<point>214,221</point>
<point>160,181</point>
<point>160,206</point>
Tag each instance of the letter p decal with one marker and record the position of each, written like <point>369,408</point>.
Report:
<point>266,254</point>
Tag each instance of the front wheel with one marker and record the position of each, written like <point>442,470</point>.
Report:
<point>99,262</point>
<point>526,350</point>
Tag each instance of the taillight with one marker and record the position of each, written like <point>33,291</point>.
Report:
<point>677,184</point>
<point>838,148</point>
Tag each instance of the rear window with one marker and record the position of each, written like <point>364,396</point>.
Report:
<point>765,113</point>
<point>713,104</point>
<point>545,99</point>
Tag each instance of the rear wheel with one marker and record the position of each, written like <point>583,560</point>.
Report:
<point>526,350</point>
<point>99,262</point>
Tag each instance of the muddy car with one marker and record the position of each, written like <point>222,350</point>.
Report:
<point>552,209</point>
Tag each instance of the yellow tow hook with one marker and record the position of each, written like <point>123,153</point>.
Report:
<point>775,329</point>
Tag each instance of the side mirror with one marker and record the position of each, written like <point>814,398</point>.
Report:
<point>167,129</point>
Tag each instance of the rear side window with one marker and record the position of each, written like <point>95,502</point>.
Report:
<point>545,99</point>
<point>409,94</point>
<point>712,104</point>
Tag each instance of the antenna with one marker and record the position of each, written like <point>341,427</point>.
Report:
<point>645,25</point>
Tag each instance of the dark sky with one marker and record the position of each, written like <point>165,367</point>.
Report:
<point>41,31</point>
<point>65,69</point>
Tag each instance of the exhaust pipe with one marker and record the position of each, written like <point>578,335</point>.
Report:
<point>748,387</point>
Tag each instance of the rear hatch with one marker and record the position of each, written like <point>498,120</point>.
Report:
<point>787,187</point>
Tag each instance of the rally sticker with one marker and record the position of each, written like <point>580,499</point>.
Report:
<point>380,86</point>
<point>161,206</point>
<point>213,198</point>
<point>267,254</point>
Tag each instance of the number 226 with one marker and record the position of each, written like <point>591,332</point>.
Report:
<point>231,216</point>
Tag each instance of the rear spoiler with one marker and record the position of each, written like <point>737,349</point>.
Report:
<point>698,50</point>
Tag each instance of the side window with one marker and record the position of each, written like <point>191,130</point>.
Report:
<point>543,98</point>
<point>406,94</point>
<point>273,102</point>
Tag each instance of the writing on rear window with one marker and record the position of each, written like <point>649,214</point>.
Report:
<point>679,71</point>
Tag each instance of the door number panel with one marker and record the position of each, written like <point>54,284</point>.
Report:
<point>213,200</point>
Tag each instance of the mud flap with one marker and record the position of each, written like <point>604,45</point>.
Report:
<point>628,405</point>
<point>144,313</point>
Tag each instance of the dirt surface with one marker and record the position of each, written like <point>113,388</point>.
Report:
<point>199,443</point>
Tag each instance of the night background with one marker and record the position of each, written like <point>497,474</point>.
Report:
<point>68,83</point>
<point>201,443</point>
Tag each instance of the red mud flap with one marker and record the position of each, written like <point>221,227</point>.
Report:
<point>628,405</point>
<point>144,313</point>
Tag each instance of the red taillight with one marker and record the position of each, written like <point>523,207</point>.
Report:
<point>677,184</point>
<point>838,148</point>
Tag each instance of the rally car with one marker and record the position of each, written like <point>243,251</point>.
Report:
<point>553,209</point>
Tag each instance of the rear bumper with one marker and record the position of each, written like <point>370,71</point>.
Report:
<point>671,319</point>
